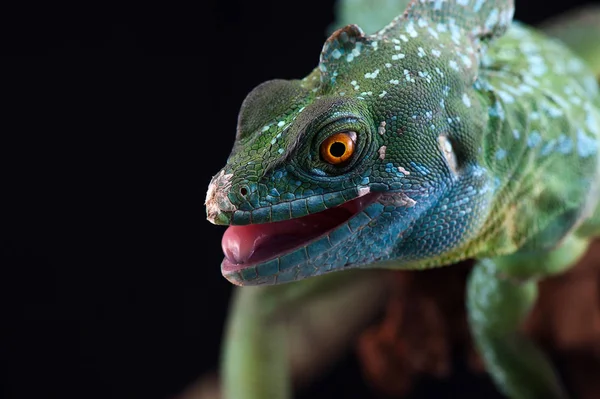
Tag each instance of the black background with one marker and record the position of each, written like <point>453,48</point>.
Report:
<point>110,284</point>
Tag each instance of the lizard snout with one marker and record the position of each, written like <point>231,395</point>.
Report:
<point>218,206</point>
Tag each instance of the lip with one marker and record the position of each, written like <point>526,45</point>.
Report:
<point>278,239</point>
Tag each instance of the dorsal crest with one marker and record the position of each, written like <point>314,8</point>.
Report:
<point>478,19</point>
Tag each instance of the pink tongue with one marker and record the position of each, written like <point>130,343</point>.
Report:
<point>258,242</point>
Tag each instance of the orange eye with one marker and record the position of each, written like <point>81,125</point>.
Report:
<point>338,148</point>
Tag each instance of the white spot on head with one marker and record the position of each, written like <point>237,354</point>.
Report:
<point>564,144</point>
<point>466,100</point>
<point>497,111</point>
<point>372,75</point>
<point>410,29</point>
<point>381,128</point>
<point>506,97</point>
<point>403,171</point>
<point>425,74</point>
<point>448,152</point>
<point>433,33</point>
<point>492,19</point>
<point>586,146</point>
<point>534,139</point>
<point>466,60</point>
<point>478,5</point>
<point>537,66</point>
<point>591,122</point>
<point>575,65</point>
<point>455,31</point>
<point>362,191</point>
<point>548,148</point>
<point>382,152</point>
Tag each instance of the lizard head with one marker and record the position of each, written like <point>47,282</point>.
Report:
<point>373,157</point>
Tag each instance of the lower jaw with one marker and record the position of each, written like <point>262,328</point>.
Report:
<point>228,267</point>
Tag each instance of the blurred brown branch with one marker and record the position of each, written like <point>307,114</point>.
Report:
<point>425,321</point>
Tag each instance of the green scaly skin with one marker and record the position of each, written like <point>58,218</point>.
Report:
<point>477,137</point>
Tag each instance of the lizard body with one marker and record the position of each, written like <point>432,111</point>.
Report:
<point>451,133</point>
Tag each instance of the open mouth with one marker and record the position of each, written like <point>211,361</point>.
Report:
<point>249,245</point>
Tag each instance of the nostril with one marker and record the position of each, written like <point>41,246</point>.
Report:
<point>243,191</point>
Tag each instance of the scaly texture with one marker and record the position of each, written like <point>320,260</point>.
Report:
<point>513,117</point>
<point>472,136</point>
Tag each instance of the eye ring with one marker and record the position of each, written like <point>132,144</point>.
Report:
<point>338,148</point>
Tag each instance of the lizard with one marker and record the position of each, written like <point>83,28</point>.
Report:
<point>452,132</point>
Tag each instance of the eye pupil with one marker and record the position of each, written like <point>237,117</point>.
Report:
<point>337,149</point>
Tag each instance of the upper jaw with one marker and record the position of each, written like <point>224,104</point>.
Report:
<point>308,257</point>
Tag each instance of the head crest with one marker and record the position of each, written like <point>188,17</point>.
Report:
<point>344,45</point>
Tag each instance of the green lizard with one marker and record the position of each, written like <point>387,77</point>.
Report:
<point>450,133</point>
